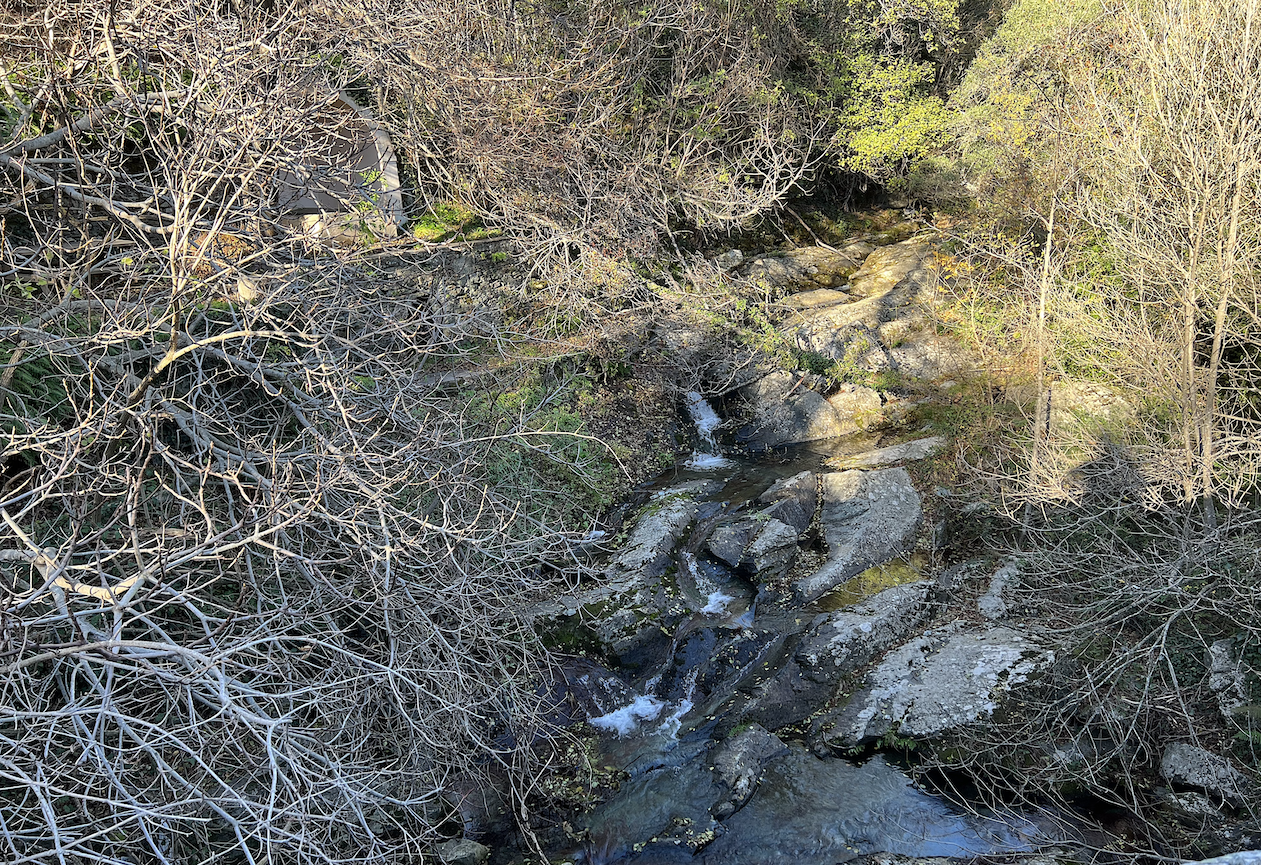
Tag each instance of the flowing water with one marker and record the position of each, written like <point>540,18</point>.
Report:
<point>663,724</point>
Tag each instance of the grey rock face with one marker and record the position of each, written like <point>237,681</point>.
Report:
<point>808,267</point>
<point>912,450</point>
<point>881,323</point>
<point>463,852</point>
<point>941,681</point>
<point>996,602</point>
<point>729,541</point>
<point>793,500</point>
<point>840,643</point>
<point>1226,678</point>
<point>786,411</point>
<point>774,548</point>
<point>632,602</point>
<point>762,544</point>
<point>647,550</point>
<point>868,518</point>
<point>1245,857</point>
<point>738,763</point>
<point>1186,764</point>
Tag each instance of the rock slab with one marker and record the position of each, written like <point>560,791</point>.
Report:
<point>868,518</point>
<point>1187,764</point>
<point>786,411</point>
<point>840,643</point>
<point>939,682</point>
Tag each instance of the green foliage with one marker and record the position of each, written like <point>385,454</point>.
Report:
<point>539,453</point>
<point>895,741</point>
<point>36,393</point>
<point>890,121</point>
<point>1017,78</point>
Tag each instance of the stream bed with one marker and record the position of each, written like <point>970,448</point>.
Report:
<point>712,700</point>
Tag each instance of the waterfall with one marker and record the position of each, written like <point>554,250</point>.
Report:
<point>709,454</point>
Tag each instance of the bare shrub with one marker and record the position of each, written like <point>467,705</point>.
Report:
<point>260,597</point>
<point>1137,602</point>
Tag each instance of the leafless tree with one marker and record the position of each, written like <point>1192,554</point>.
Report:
<point>1170,118</point>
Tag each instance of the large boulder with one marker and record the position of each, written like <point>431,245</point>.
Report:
<point>760,544</point>
<point>868,518</point>
<point>786,411</point>
<point>890,266</point>
<point>1193,766</point>
<point>807,267</point>
<point>660,526</point>
<point>945,679</point>
<point>842,642</point>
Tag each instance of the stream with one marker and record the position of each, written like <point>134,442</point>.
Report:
<point>711,710</point>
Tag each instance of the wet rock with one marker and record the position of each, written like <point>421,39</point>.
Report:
<point>868,518</point>
<point>658,530</point>
<point>785,411</point>
<point>807,267</point>
<point>1195,767</point>
<point>811,811</point>
<point>635,599</point>
<point>939,682</point>
<point>996,603</point>
<point>895,859</point>
<point>912,450</point>
<point>840,643</point>
<point>463,852</point>
<point>670,805</point>
<point>785,696</point>
<point>738,764</point>
<point>734,666</point>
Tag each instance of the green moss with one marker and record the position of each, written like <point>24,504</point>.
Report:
<point>895,573</point>
<point>447,221</point>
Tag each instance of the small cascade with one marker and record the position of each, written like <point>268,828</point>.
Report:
<point>709,455</point>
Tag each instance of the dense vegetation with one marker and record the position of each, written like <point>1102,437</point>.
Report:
<point>267,549</point>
